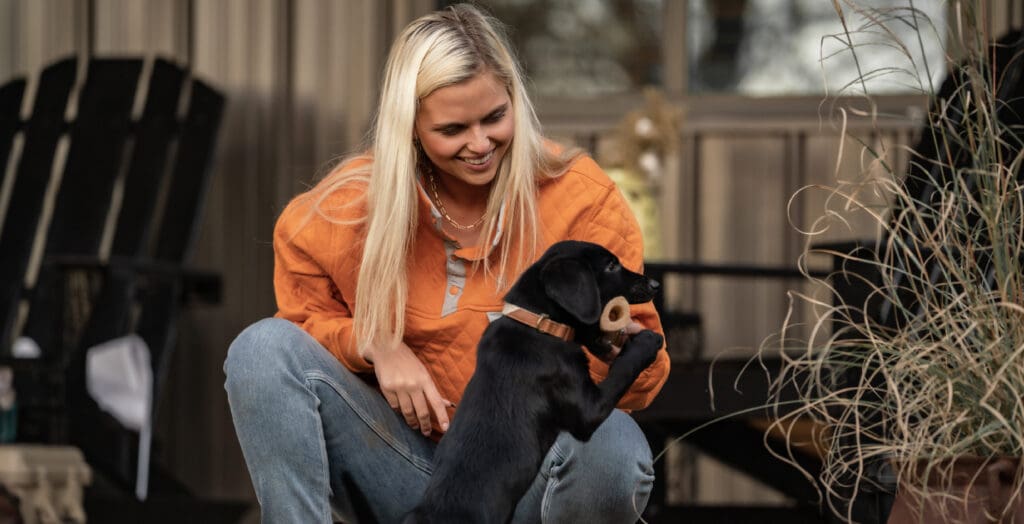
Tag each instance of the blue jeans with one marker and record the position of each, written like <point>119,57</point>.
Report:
<point>316,437</point>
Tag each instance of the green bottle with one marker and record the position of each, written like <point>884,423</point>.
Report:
<point>8,406</point>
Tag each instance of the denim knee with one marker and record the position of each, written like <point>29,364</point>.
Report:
<point>607,479</point>
<point>621,455</point>
<point>634,457</point>
<point>260,352</point>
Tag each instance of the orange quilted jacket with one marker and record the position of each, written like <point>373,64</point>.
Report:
<point>449,303</point>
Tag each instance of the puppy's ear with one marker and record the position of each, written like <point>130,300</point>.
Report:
<point>571,284</point>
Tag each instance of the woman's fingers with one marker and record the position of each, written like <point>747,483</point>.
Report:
<point>408,410</point>
<point>392,399</point>
<point>422,413</point>
<point>416,406</point>
<point>633,328</point>
<point>439,407</point>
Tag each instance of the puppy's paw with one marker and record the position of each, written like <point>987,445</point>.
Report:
<point>647,339</point>
<point>642,348</point>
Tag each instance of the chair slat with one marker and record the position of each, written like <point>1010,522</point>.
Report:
<point>154,133</point>
<point>160,310</point>
<point>97,140</point>
<point>187,190</point>
<point>41,134</point>
<point>11,95</point>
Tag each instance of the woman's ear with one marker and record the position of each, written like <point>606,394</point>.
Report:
<point>571,285</point>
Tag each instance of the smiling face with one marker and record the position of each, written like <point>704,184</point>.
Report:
<point>466,128</point>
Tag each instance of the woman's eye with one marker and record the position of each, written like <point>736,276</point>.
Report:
<point>450,131</point>
<point>495,117</point>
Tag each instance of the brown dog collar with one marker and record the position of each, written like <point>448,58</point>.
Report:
<point>539,322</point>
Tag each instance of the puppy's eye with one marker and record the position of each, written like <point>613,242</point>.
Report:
<point>612,266</point>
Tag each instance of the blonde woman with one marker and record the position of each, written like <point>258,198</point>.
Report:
<point>386,274</point>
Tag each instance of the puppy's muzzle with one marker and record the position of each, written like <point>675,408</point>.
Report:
<point>644,290</point>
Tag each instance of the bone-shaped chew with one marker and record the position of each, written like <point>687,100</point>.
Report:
<point>614,320</point>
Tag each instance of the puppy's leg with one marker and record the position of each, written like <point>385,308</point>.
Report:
<point>595,402</point>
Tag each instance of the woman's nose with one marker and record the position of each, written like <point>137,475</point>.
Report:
<point>479,142</point>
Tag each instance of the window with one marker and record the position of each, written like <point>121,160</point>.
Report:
<point>585,48</point>
<point>768,47</point>
<point>588,48</point>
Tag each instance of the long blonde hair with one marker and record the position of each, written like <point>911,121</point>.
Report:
<point>438,50</point>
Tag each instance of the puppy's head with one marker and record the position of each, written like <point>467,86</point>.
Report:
<point>580,278</point>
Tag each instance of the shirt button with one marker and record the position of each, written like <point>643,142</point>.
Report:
<point>454,290</point>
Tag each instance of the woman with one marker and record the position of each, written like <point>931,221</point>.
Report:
<point>388,271</point>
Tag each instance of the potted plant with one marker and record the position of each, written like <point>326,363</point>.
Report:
<point>920,374</point>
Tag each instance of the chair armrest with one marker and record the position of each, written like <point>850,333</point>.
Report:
<point>736,270</point>
<point>197,284</point>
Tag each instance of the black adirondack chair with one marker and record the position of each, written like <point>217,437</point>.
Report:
<point>83,296</point>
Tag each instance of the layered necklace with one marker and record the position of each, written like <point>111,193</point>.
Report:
<point>432,183</point>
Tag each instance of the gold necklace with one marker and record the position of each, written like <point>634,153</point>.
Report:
<point>432,182</point>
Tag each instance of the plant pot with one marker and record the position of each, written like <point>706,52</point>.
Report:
<point>971,490</point>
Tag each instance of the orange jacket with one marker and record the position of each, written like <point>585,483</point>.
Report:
<point>449,304</point>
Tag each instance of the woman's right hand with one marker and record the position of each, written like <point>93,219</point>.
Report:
<point>408,388</point>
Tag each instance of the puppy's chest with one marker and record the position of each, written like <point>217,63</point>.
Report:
<point>522,357</point>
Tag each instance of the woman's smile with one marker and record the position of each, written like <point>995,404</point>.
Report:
<point>480,163</point>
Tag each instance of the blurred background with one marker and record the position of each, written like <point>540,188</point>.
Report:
<point>710,114</point>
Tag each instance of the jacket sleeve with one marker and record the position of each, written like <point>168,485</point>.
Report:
<point>306,294</point>
<point>612,224</point>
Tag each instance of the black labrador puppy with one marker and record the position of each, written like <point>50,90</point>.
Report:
<point>532,382</point>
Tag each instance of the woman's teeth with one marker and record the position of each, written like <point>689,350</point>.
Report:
<point>479,161</point>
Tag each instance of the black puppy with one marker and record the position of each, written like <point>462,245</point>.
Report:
<point>530,384</point>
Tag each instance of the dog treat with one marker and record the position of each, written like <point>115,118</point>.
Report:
<point>615,315</point>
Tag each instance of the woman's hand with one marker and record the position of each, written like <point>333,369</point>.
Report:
<point>631,329</point>
<point>408,387</point>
